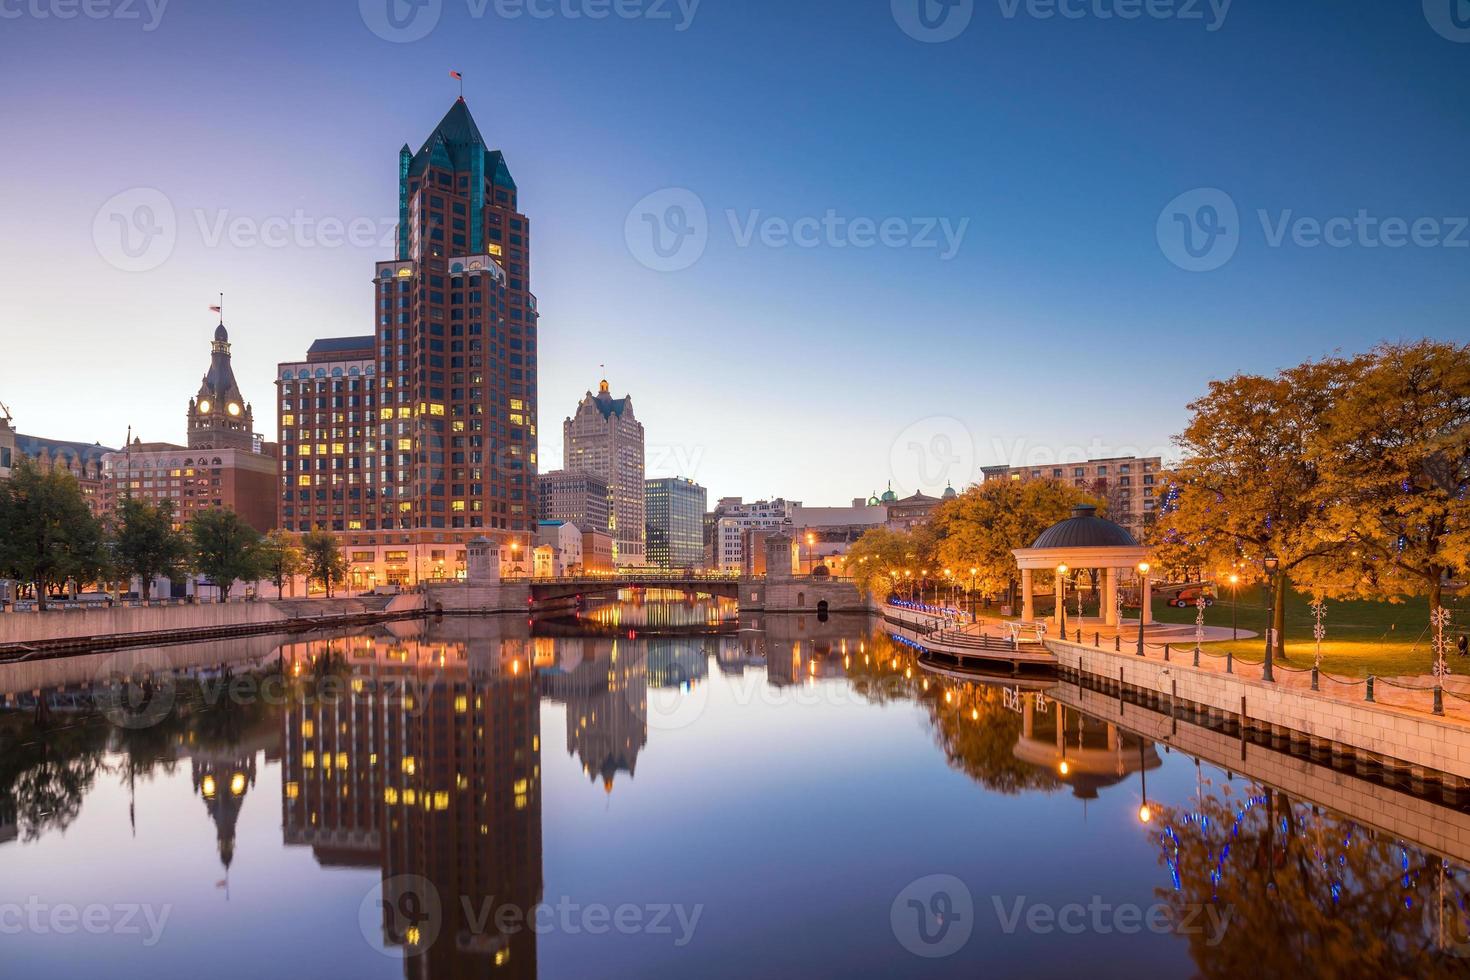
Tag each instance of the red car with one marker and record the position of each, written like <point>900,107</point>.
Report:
<point>1189,597</point>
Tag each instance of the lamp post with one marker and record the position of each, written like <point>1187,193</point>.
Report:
<point>811,540</point>
<point>1062,601</point>
<point>1234,597</point>
<point>1143,567</point>
<point>1271,563</point>
<point>974,609</point>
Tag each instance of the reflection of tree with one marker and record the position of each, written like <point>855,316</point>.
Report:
<point>44,781</point>
<point>977,732</point>
<point>1307,892</point>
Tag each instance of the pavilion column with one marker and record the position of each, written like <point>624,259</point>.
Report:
<point>1110,597</point>
<point>1028,604</point>
<point>1061,727</point>
<point>1148,602</point>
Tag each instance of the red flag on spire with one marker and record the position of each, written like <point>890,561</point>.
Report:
<point>455,74</point>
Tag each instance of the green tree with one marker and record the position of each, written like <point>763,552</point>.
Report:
<point>225,549</point>
<point>146,543</point>
<point>282,558</point>
<point>1250,484</point>
<point>48,535</point>
<point>1394,453</point>
<point>982,526</point>
<point>325,562</point>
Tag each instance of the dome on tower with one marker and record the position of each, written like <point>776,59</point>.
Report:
<point>949,492</point>
<point>889,496</point>
<point>221,335</point>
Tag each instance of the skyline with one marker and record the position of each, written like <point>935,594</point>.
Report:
<point>1057,248</point>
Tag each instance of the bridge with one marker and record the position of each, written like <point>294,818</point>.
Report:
<point>573,586</point>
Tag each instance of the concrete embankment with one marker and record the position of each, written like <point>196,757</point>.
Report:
<point>1380,735</point>
<point>32,635</point>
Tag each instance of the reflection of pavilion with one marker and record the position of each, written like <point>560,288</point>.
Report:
<point>1086,753</point>
<point>605,690</point>
<point>429,767</point>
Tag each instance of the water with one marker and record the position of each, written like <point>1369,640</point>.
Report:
<point>710,801</point>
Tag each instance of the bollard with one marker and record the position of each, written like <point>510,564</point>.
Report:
<point>1096,638</point>
<point>1229,662</point>
<point>1370,688</point>
<point>1196,656</point>
<point>1438,700</point>
<point>1166,653</point>
<point>1118,643</point>
<point>1315,673</point>
<point>1079,636</point>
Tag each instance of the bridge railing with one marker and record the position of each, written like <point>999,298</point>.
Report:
<point>641,578</point>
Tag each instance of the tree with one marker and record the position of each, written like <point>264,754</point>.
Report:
<point>282,558</point>
<point>325,562</point>
<point>225,549</point>
<point>982,526</point>
<point>877,560</point>
<point>48,535</point>
<point>146,544</point>
<point>1394,453</point>
<point>1250,486</point>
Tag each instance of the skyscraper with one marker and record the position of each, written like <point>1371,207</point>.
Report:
<point>605,439</point>
<point>454,382</point>
<point>675,522</point>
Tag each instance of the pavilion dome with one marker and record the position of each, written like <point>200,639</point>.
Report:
<point>1084,529</point>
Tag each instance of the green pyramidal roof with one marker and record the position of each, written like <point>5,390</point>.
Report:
<point>453,145</point>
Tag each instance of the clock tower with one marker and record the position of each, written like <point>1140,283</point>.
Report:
<point>219,418</point>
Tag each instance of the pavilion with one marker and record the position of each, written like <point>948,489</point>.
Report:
<point>1081,542</point>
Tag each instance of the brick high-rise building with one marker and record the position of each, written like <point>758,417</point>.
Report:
<point>1127,483</point>
<point>453,442</point>
<point>605,439</point>
<point>577,498</point>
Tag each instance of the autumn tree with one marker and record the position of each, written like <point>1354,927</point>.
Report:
<point>981,527</point>
<point>878,560</point>
<point>224,549</point>
<point>325,562</point>
<point>48,535</point>
<point>1250,485</point>
<point>146,543</point>
<point>1394,454</point>
<point>282,558</point>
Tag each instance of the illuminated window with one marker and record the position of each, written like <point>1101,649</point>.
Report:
<point>405,445</point>
<point>293,790</point>
<point>305,450</point>
<point>390,795</point>
<point>308,760</point>
<point>308,729</point>
<point>288,420</point>
<point>410,765</point>
<point>441,800</point>
<point>303,481</point>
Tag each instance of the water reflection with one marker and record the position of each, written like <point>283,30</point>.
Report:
<point>414,751</point>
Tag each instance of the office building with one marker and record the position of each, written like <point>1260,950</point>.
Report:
<point>675,522</point>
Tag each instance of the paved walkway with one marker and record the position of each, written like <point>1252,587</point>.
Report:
<point>1415,694</point>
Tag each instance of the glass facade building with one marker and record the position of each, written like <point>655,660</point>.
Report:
<point>674,512</point>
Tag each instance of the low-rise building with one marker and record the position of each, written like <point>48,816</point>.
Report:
<point>824,534</point>
<point>80,459</point>
<point>1125,483</point>
<point>565,542</point>
<point>597,551</point>
<point>7,447</point>
<point>733,517</point>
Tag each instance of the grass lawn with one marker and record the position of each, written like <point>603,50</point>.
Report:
<point>1363,638</point>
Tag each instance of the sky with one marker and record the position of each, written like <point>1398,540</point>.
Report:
<point>823,244</point>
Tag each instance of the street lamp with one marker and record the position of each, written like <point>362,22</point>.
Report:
<point>1062,601</point>
<point>1234,596</point>
<point>811,540</point>
<point>974,609</point>
<point>1143,567</point>
<point>1271,564</point>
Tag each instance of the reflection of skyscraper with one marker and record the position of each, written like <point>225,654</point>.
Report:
<point>430,768</point>
<point>676,661</point>
<point>606,695</point>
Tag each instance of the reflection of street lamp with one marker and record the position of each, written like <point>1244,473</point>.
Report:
<point>1143,567</point>
<point>1271,564</point>
<point>1144,813</point>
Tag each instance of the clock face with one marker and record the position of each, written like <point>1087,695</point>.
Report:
<point>233,409</point>
<point>204,406</point>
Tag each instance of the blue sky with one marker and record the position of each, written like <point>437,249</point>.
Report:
<point>1062,324</point>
